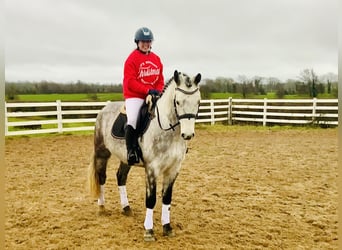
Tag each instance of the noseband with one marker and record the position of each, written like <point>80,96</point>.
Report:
<point>179,117</point>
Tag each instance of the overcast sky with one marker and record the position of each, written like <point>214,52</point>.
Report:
<point>88,40</point>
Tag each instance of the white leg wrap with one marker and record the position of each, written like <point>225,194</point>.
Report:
<point>101,199</point>
<point>165,216</point>
<point>123,196</point>
<point>148,224</point>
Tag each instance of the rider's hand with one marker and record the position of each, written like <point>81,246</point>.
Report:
<point>154,92</point>
<point>151,99</point>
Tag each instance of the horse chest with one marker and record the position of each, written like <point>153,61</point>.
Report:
<point>166,153</point>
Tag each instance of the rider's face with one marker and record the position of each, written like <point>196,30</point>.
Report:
<point>145,46</point>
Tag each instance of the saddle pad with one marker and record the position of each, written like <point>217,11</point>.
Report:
<point>144,119</point>
<point>118,129</point>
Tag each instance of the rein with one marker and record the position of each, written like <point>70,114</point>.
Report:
<point>179,117</point>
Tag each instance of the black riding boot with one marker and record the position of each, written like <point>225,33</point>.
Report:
<point>132,155</point>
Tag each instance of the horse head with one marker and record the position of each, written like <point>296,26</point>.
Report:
<point>186,102</point>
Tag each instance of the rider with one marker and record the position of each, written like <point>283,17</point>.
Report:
<point>143,75</point>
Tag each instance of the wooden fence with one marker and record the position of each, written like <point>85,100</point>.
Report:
<point>59,117</point>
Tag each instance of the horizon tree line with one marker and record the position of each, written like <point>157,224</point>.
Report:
<point>308,83</point>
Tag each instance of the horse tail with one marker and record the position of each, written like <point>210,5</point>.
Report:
<point>98,162</point>
<point>93,178</point>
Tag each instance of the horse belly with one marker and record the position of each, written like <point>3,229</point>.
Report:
<point>117,147</point>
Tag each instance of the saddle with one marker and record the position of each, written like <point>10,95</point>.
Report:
<point>145,116</point>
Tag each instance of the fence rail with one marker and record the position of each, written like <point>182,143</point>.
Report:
<point>59,117</point>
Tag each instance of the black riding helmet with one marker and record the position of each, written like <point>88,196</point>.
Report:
<point>143,34</point>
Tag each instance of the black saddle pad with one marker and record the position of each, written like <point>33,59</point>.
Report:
<point>118,129</point>
<point>144,119</point>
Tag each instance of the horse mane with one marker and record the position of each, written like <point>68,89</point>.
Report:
<point>168,83</point>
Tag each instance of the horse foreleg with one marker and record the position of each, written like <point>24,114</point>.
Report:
<point>121,176</point>
<point>151,189</point>
<point>167,198</point>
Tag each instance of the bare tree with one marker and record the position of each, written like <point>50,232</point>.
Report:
<point>244,85</point>
<point>309,77</point>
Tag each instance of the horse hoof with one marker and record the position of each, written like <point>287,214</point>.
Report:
<point>102,211</point>
<point>127,211</point>
<point>167,230</point>
<point>149,235</point>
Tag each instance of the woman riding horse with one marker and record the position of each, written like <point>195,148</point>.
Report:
<point>143,75</point>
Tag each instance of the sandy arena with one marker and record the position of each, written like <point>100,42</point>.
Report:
<point>239,188</point>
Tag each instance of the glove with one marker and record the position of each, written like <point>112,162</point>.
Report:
<point>151,99</point>
<point>154,92</point>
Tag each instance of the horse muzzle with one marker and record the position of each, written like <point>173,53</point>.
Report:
<point>188,136</point>
<point>187,128</point>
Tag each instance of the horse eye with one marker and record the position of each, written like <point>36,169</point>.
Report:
<point>177,102</point>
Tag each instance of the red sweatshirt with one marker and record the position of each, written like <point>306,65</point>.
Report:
<point>142,72</point>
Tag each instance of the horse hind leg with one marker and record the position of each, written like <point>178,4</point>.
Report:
<point>97,173</point>
<point>121,176</point>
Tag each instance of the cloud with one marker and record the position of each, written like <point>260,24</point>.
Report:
<point>89,40</point>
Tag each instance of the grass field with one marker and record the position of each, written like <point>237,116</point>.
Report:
<point>102,97</point>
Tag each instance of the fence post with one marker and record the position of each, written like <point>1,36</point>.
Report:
<point>314,105</point>
<point>265,113</point>
<point>212,112</point>
<point>230,111</point>
<point>59,116</point>
<point>6,120</point>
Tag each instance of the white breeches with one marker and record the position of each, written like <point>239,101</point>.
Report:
<point>133,106</point>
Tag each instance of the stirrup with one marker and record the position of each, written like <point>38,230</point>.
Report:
<point>132,157</point>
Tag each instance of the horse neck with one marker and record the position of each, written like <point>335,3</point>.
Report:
<point>166,107</point>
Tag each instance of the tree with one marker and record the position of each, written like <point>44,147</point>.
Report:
<point>310,78</point>
<point>329,87</point>
<point>244,85</point>
<point>257,86</point>
<point>11,92</point>
<point>280,90</point>
<point>271,85</point>
<point>329,79</point>
<point>290,87</point>
<point>205,89</point>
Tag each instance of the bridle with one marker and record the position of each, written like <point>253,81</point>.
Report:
<point>179,117</point>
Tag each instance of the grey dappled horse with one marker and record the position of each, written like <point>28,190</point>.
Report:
<point>163,147</point>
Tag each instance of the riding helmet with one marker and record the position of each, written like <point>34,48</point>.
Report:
<point>143,34</point>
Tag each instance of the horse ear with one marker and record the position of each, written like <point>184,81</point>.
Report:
<point>176,77</point>
<point>198,78</point>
